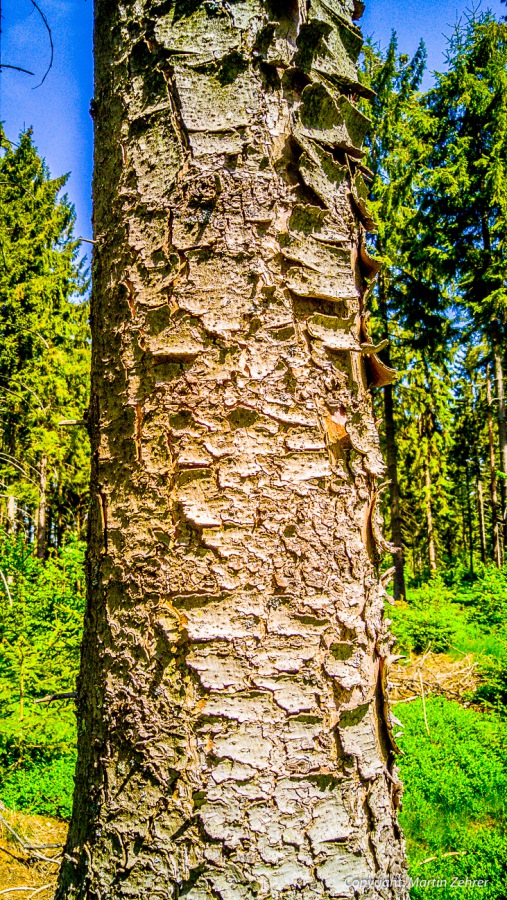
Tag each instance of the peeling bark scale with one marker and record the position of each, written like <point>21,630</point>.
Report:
<point>234,734</point>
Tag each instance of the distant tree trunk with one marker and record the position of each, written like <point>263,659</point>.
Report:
<point>470,526</point>
<point>497,544</point>
<point>234,737</point>
<point>502,429</point>
<point>480,515</point>
<point>41,508</point>
<point>11,514</point>
<point>399,590</point>
<point>432,555</point>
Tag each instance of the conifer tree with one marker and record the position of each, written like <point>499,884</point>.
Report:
<point>234,733</point>
<point>464,201</point>
<point>409,304</point>
<point>44,350</point>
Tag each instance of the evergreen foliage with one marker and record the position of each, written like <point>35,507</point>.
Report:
<point>44,343</point>
<point>464,197</point>
<point>438,163</point>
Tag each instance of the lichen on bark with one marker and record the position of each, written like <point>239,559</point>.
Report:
<point>234,735</point>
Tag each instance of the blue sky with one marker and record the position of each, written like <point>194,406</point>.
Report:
<point>59,109</point>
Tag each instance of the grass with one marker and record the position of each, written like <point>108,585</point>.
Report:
<point>455,804</point>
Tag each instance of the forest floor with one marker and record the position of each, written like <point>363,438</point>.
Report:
<point>437,674</point>
<point>21,874</point>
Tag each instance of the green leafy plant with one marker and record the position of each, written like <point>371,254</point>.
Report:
<point>427,621</point>
<point>42,606</point>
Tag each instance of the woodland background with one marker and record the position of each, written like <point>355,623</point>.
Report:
<point>437,169</point>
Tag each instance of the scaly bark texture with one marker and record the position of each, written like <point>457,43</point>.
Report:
<point>234,736</point>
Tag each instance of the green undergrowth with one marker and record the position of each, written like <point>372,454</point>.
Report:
<point>41,614</point>
<point>460,616</point>
<point>455,802</point>
<point>454,813</point>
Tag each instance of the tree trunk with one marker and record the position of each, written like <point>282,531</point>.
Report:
<point>234,738</point>
<point>392,458</point>
<point>399,589</point>
<point>432,555</point>
<point>11,514</point>
<point>470,527</point>
<point>497,544</point>
<point>41,508</point>
<point>480,516</point>
<point>502,428</point>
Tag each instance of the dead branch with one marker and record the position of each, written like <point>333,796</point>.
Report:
<point>433,858</point>
<point>26,847</point>
<point>38,890</point>
<point>67,423</point>
<point>16,68</point>
<point>48,29</point>
<point>70,695</point>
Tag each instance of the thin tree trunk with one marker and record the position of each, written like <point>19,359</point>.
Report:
<point>41,509</point>
<point>11,514</point>
<point>234,734</point>
<point>480,515</point>
<point>497,545</point>
<point>392,456</point>
<point>469,523</point>
<point>399,590</point>
<point>502,428</point>
<point>432,555</point>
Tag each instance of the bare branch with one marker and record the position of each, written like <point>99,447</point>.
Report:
<point>67,423</point>
<point>38,890</point>
<point>6,586</point>
<point>46,23</point>
<point>16,68</point>
<point>70,695</point>
<point>25,846</point>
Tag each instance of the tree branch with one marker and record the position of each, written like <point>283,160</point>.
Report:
<point>70,695</point>
<point>16,68</point>
<point>46,23</point>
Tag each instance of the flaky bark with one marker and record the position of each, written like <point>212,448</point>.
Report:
<point>399,589</point>
<point>234,738</point>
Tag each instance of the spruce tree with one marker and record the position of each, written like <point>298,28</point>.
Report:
<point>408,302</point>
<point>44,347</point>
<point>464,201</point>
<point>234,733</point>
